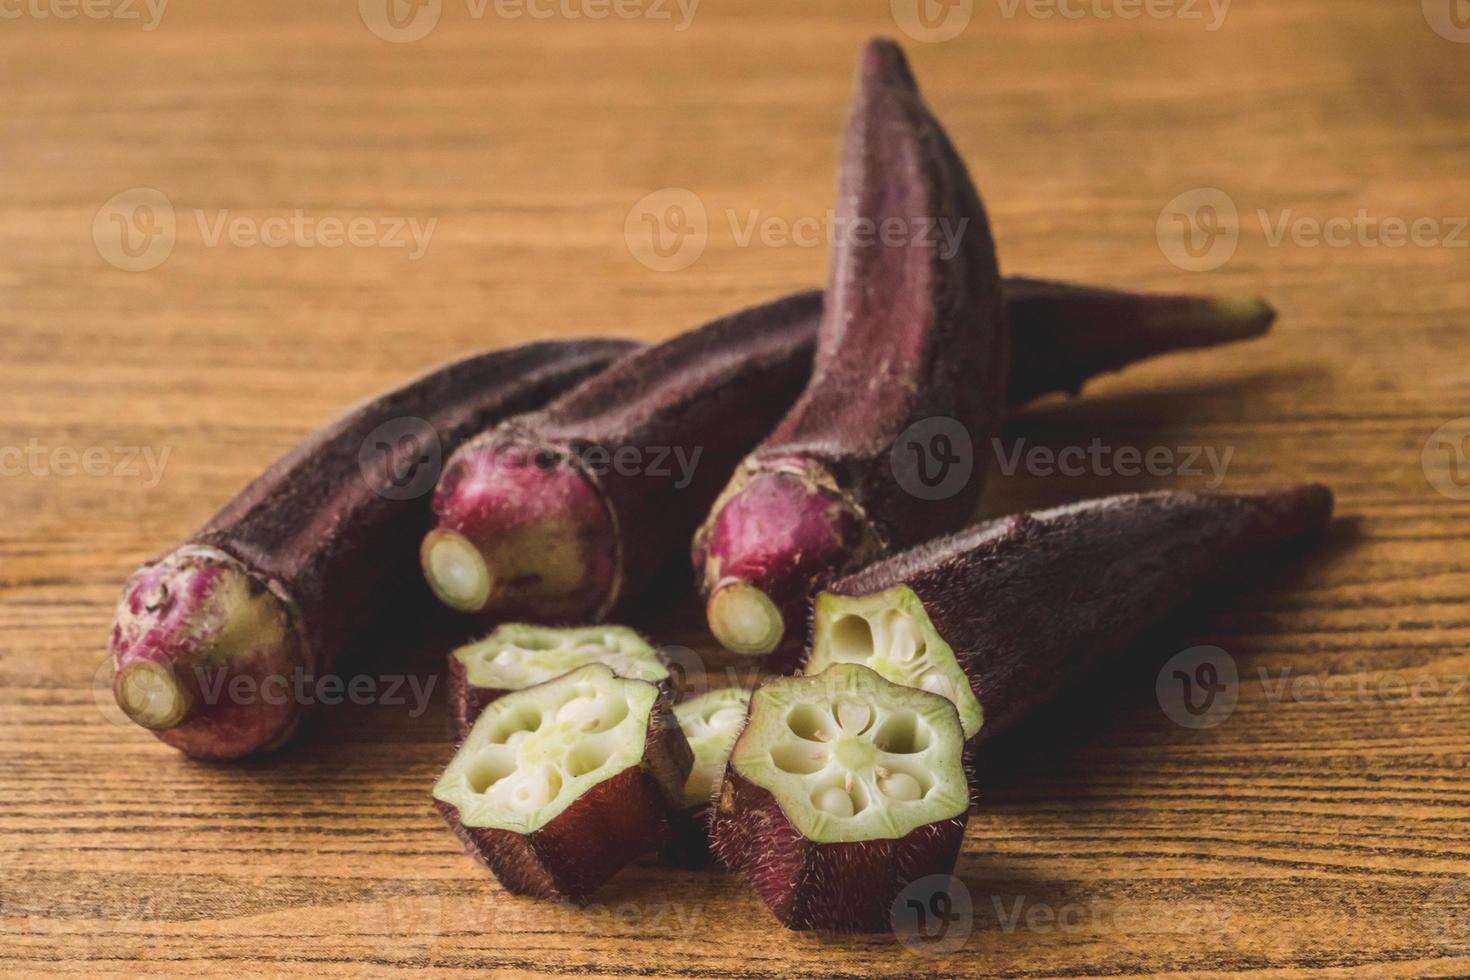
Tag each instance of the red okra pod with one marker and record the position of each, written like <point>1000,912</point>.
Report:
<point>316,546</point>
<point>914,329</point>
<point>998,618</point>
<point>526,530</point>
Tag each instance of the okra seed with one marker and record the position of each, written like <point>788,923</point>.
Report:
<point>900,786</point>
<point>586,713</point>
<point>836,801</point>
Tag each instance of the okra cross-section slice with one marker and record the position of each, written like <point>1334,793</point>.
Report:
<point>711,723</point>
<point>842,789</point>
<point>519,655</point>
<point>891,633</point>
<point>558,786</point>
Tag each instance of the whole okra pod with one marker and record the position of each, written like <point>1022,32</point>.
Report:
<point>274,584</point>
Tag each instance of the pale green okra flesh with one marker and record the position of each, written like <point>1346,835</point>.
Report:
<point>851,757</point>
<point>520,655</point>
<point>891,633</point>
<point>711,723</point>
<point>534,752</point>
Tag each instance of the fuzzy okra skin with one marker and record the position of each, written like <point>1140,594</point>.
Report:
<point>560,514</point>
<point>550,528</point>
<point>1000,617</point>
<point>841,790</point>
<point>278,581</point>
<point>521,655</point>
<point>1062,335</point>
<point>560,785</point>
<point>912,330</point>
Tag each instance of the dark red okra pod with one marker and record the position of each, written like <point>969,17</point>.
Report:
<point>561,514</point>
<point>1000,617</point>
<point>913,329</point>
<point>315,546</point>
<point>842,789</point>
<point>545,535</point>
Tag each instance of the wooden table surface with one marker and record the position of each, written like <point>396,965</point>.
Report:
<point>1319,829</point>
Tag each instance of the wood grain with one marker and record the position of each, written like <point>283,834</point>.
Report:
<point>1306,835</point>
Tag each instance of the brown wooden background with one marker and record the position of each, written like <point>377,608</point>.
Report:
<point>1323,836</point>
